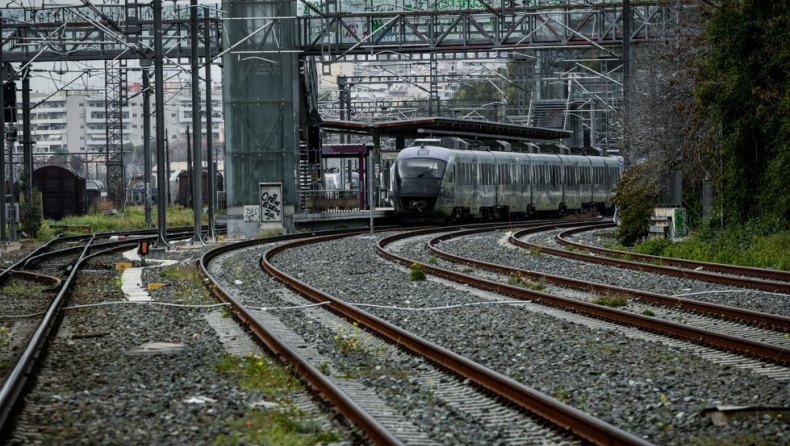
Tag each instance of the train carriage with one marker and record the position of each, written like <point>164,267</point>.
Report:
<point>62,192</point>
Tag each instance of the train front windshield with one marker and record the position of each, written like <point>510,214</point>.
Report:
<point>421,168</point>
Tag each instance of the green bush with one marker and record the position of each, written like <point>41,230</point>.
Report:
<point>31,215</point>
<point>654,247</point>
<point>636,196</point>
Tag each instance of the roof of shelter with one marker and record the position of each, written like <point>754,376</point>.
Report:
<point>425,127</point>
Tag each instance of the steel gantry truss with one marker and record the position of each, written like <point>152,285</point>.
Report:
<point>474,28</point>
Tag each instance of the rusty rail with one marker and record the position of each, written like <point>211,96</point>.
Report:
<point>753,283</point>
<point>754,317</point>
<point>692,264</point>
<point>578,422</point>
<point>345,405</point>
<point>761,350</point>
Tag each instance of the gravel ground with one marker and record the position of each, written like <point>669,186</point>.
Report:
<point>97,388</point>
<point>643,387</point>
<point>393,377</point>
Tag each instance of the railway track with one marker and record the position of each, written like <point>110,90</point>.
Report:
<point>581,425</point>
<point>410,400</point>
<point>771,351</point>
<point>33,313</point>
<point>735,275</point>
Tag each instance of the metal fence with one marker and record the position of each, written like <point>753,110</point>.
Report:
<point>324,201</point>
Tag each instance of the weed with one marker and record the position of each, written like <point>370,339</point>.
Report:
<point>570,248</point>
<point>289,426</point>
<point>535,250</point>
<point>611,301</point>
<point>417,274</point>
<point>188,282</point>
<point>432,260</point>
<point>560,394</point>
<point>679,308</point>
<point>324,367</point>
<point>259,373</point>
<point>467,270</point>
<point>606,347</point>
<point>648,312</point>
<point>517,279</point>
<point>349,341</point>
<point>5,337</point>
<point>227,312</point>
<point>341,226</point>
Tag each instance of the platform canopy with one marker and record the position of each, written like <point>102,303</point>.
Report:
<point>464,128</point>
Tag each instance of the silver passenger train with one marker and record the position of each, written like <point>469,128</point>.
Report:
<point>437,184</point>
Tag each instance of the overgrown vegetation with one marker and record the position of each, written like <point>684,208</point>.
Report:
<point>188,282</point>
<point>754,243</point>
<point>743,87</point>
<point>611,301</point>
<point>282,423</point>
<point>132,218</point>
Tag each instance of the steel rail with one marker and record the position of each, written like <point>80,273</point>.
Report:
<point>31,260</point>
<point>743,282</point>
<point>768,352</point>
<point>10,393</point>
<point>43,248</point>
<point>738,314</point>
<point>39,277</point>
<point>561,415</point>
<point>345,405</point>
<point>692,264</point>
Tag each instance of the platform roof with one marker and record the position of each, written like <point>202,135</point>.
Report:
<point>465,128</point>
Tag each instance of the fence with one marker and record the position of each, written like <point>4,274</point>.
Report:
<point>321,201</point>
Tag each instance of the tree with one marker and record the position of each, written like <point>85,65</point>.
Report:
<point>743,87</point>
<point>666,127</point>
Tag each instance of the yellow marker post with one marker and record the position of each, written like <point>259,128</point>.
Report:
<point>122,266</point>
<point>154,286</point>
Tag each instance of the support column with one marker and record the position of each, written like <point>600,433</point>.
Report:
<point>211,200</point>
<point>27,142</point>
<point>197,172</point>
<point>160,127</point>
<point>2,146</point>
<point>147,146</point>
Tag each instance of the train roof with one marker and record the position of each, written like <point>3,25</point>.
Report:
<point>444,153</point>
<point>426,127</point>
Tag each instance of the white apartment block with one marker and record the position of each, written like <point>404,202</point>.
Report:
<point>74,121</point>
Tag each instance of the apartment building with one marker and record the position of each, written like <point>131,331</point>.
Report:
<point>74,121</point>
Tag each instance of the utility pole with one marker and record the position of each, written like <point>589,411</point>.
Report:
<point>2,146</point>
<point>147,146</point>
<point>160,126</point>
<point>197,173</point>
<point>210,187</point>
<point>626,80</point>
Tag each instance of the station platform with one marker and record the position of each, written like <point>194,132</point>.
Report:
<point>350,219</point>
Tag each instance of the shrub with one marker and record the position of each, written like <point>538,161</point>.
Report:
<point>636,196</point>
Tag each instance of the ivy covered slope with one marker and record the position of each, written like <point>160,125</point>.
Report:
<point>743,85</point>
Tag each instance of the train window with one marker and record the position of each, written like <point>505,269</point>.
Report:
<point>421,168</point>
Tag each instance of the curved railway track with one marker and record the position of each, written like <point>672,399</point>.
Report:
<point>765,351</point>
<point>581,424</point>
<point>736,275</point>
